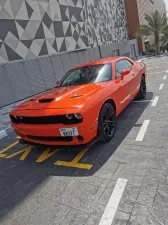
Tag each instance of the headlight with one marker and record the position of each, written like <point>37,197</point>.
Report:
<point>76,115</point>
<point>69,116</point>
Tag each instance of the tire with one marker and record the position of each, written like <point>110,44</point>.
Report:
<point>142,91</point>
<point>106,123</point>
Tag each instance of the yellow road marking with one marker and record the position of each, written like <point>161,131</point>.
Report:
<point>18,137</point>
<point>74,162</point>
<point>7,148</point>
<point>46,154</point>
<point>25,152</point>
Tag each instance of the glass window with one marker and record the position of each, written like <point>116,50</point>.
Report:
<point>87,74</point>
<point>120,65</point>
<point>130,64</point>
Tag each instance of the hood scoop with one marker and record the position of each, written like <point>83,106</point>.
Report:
<point>46,100</point>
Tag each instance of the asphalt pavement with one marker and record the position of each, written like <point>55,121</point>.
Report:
<point>124,182</point>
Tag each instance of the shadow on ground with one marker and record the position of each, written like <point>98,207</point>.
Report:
<point>18,179</point>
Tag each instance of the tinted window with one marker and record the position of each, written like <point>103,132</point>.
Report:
<point>130,64</point>
<point>121,65</point>
<point>88,74</point>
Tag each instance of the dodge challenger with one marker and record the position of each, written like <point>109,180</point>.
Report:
<point>83,106</point>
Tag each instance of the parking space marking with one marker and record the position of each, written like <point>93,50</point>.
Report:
<point>153,63</point>
<point>157,72</point>
<point>75,162</point>
<point>165,76</point>
<point>46,154</point>
<point>154,103</point>
<point>25,152</point>
<point>143,101</point>
<point>152,68</point>
<point>161,87</point>
<point>142,131</point>
<point>3,134</point>
<point>112,205</point>
<point>7,148</point>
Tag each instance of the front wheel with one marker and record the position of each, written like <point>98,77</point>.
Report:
<point>142,91</point>
<point>106,123</point>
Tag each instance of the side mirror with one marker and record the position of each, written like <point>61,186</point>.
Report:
<point>124,73</point>
<point>58,82</point>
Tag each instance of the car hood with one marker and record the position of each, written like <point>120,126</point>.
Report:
<point>61,97</point>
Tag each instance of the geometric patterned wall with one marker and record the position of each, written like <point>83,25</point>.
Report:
<point>32,28</point>
<point>106,21</point>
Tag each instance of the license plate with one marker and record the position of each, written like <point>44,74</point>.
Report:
<point>69,132</point>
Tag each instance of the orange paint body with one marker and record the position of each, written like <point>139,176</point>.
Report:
<point>88,103</point>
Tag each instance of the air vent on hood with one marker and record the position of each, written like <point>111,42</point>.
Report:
<point>46,100</point>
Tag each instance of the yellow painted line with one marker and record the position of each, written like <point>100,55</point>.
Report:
<point>75,165</point>
<point>18,137</point>
<point>79,156</point>
<point>25,152</point>
<point>7,148</point>
<point>75,162</point>
<point>46,154</point>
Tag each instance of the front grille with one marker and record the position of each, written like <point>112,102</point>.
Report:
<point>61,119</point>
<point>66,139</point>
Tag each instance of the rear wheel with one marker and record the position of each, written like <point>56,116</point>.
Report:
<point>142,91</point>
<point>106,123</point>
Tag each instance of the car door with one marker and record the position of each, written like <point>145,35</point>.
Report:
<point>134,78</point>
<point>123,90</point>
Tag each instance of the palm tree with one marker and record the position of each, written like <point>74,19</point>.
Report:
<point>142,31</point>
<point>156,26</point>
<point>164,38</point>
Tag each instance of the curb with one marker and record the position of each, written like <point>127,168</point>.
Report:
<point>4,133</point>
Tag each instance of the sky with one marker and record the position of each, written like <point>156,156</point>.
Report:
<point>166,1</point>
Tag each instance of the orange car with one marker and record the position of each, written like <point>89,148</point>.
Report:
<point>83,107</point>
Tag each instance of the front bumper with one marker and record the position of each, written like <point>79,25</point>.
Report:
<point>49,134</point>
<point>64,147</point>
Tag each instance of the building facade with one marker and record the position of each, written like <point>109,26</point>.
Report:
<point>33,28</point>
<point>148,6</point>
<point>41,39</point>
<point>136,11</point>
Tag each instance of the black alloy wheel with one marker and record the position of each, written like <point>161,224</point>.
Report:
<point>107,123</point>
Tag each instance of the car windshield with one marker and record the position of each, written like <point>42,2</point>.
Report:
<point>87,74</point>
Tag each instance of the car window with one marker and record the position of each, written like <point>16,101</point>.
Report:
<point>87,74</point>
<point>130,64</point>
<point>121,65</point>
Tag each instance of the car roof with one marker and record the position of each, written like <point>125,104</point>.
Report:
<point>100,61</point>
